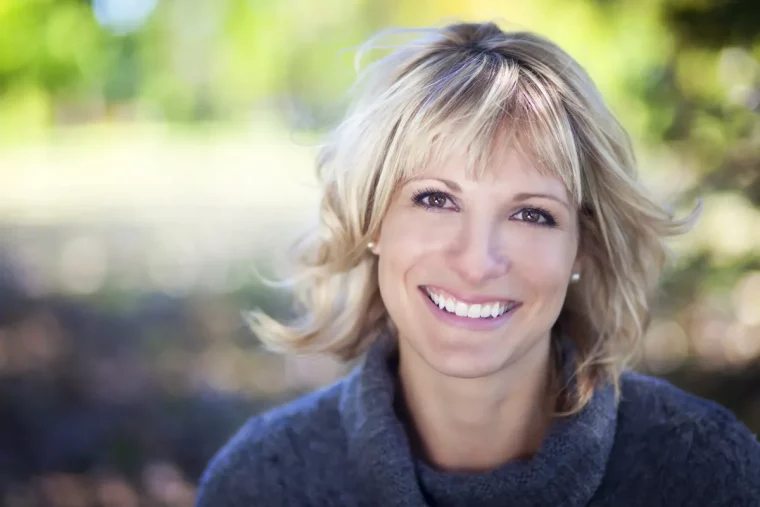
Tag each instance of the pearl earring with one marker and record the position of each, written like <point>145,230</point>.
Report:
<point>575,277</point>
<point>371,245</point>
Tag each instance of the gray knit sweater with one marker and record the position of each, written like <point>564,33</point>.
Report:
<point>345,446</point>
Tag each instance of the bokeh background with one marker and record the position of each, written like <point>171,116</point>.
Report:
<point>154,152</point>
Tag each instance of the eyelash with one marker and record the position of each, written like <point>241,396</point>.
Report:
<point>420,196</point>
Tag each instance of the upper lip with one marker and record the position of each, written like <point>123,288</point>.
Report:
<point>470,299</point>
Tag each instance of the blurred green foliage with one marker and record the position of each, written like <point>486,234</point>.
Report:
<point>196,60</point>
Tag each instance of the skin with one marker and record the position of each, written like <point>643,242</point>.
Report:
<point>475,399</point>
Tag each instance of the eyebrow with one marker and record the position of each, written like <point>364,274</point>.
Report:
<point>453,186</point>
<point>524,196</point>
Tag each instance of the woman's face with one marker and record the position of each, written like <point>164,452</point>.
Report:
<point>474,273</point>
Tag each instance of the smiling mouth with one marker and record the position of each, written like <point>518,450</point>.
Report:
<point>488,310</point>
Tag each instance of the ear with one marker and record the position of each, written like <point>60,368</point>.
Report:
<point>374,244</point>
<point>578,263</point>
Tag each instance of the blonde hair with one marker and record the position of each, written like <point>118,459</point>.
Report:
<point>462,88</point>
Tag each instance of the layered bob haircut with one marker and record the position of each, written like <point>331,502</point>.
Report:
<point>469,89</point>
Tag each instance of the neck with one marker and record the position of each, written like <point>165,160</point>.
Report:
<point>476,424</point>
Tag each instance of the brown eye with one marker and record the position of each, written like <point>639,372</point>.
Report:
<point>536,216</point>
<point>436,200</point>
<point>531,216</point>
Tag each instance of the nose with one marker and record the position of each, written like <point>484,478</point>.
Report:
<point>477,254</point>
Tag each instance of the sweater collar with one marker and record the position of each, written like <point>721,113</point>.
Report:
<point>566,470</point>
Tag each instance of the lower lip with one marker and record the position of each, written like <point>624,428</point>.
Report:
<point>466,322</point>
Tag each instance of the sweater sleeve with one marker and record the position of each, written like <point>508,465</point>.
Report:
<point>725,456</point>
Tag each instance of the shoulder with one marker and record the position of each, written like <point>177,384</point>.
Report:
<point>699,447</point>
<point>271,455</point>
<point>653,402</point>
<point>658,402</point>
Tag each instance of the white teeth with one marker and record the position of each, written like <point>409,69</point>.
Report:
<point>474,311</point>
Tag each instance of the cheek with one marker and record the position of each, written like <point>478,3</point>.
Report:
<point>417,229</point>
<point>409,250</point>
<point>543,260</point>
<point>406,240</point>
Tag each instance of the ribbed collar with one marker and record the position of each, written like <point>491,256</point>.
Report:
<point>566,471</point>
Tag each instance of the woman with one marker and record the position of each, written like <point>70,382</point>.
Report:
<point>483,237</point>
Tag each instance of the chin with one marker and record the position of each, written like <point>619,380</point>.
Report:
<point>462,358</point>
<point>462,370</point>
